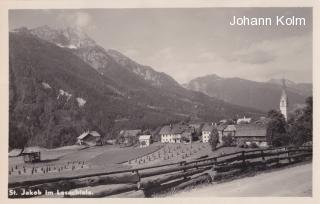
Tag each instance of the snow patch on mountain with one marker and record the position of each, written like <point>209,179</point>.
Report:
<point>46,85</point>
<point>64,93</point>
<point>81,101</point>
<point>67,46</point>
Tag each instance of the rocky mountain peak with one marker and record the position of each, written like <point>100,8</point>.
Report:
<point>69,37</point>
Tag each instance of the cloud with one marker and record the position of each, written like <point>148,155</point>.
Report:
<point>290,57</point>
<point>250,56</point>
<point>80,20</point>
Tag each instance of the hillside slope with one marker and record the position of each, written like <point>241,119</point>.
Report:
<point>258,95</point>
<point>55,96</point>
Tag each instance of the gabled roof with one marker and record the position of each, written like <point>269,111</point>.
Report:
<point>165,130</point>
<point>95,134</point>
<point>144,137</point>
<point>251,130</point>
<point>130,133</point>
<point>195,125</point>
<point>85,134</point>
<point>28,150</point>
<point>175,129</point>
<point>208,127</point>
<point>178,129</point>
<point>230,128</point>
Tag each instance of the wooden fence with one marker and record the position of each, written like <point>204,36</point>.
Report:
<point>147,181</point>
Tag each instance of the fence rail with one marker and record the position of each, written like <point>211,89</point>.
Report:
<point>158,178</point>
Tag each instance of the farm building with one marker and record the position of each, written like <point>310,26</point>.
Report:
<point>129,137</point>
<point>31,154</point>
<point>230,130</point>
<point>206,132</point>
<point>90,138</point>
<point>172,133</point>
<point>144,140</point>
<point>15,152</point>
<point>251,133</point>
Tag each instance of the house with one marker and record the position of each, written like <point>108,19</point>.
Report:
<point>129,137</point>
<point>172,133</point>
<point>244,120</point>
<point>31,154</point>
<point>229,130</point>
<point>90,138</point>
<point>251,133</point>
<point>144,140</point>
<point>207,132</point>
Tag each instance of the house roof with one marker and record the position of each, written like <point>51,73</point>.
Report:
<point>28,150</point>
<point>144,137</point>
<point>165,130</point>
<point>195,125</point>
<point>130,133</point>
<point>208,127</point>
<point>85,134</point>
<point>251,130</point>
<point>230,128</point>
<point>15,152</point>
<point>175,129</point>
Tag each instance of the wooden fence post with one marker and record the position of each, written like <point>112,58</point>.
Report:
<point>262,155</point>
<point>243,158</point>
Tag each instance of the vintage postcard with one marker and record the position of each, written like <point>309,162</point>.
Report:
<point>160,101</point>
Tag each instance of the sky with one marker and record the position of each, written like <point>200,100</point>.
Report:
<point>191,42</point>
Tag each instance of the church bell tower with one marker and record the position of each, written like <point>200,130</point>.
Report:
<point>284,104</point>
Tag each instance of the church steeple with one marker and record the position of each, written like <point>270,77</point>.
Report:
<point>284,104</point>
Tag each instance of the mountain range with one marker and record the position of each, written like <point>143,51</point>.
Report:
<point>61,83</point>
<point>259,95</point>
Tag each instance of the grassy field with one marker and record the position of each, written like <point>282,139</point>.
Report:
<point>77,160</point>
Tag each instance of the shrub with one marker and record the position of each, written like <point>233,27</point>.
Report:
<point>227,140</point>
<point>253,145</point>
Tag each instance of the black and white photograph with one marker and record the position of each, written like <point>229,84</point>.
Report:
<point>160,102</point>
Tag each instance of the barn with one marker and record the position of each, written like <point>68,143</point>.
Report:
<point>144,140</point>
<point>31,154</point>
<point>89,138</point>
<point>129,137</point>
<point>251,133</point>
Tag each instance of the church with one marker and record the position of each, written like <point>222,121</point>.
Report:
<point>284,103</point>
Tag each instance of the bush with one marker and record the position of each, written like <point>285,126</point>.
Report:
<point>253,145</point>
<point>227,140</point>
<point>242,144</point>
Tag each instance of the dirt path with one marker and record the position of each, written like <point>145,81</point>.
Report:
<point>293,181</point>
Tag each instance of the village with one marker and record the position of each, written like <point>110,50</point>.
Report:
<point>174,142</point>
<point>139,148</point>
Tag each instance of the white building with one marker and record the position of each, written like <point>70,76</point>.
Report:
<point>206,132</point>
<point>172,134</point>
<point>243,120</point>
<point>144,140</point>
